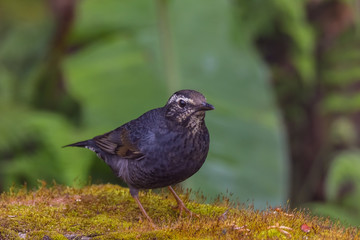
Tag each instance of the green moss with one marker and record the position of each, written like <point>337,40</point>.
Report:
<point>41,235</point>
<point>6,233</point>
<point>109,212</point>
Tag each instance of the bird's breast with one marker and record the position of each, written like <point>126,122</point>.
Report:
<point>171,160</point>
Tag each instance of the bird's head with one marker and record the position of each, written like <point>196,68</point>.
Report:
<point>187,106</point>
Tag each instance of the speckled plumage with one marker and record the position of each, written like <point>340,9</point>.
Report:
<point>162,147</point>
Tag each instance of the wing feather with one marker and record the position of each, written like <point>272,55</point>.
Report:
<point>118,142</point>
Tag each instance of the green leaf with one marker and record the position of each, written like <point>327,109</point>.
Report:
<point>247,153</point>
<point>343,182</point>
<point>114,78</point>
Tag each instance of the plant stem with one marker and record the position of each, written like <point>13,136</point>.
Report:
<point>167,48</point>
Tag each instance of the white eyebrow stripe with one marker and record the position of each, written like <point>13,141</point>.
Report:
<point>176,98</point>
<point>173,98</point>
<point>190,100</point>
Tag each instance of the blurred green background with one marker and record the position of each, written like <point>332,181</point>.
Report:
<point>283,75</point>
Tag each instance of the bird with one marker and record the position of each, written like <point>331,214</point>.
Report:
<point>162,147</point>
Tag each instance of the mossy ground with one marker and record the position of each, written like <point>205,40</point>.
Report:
<point>109,212</point>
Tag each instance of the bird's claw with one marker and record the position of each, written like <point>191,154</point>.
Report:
<point>182,208</point>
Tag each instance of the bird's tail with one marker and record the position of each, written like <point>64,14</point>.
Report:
<point>83,144</point>
<point>89,144</point>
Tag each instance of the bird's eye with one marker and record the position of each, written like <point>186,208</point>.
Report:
<point>182,103</point>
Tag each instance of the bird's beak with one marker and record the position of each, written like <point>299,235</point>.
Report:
<point>206,107</point>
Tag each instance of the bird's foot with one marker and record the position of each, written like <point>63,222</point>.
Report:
<point>182,208</point>
<point>152,224</point>
<point>136,198</point>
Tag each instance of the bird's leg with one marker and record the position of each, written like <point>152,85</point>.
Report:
<point>181,206</point>
<point>134,194</point>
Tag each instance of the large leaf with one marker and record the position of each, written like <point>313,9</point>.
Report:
<point>31,149</point>
<point>247,155</point>
<point>115,78</point>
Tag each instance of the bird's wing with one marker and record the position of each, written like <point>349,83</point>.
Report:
<point>118,142</point>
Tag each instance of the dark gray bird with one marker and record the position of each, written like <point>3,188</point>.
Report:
<point>162,147</point>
